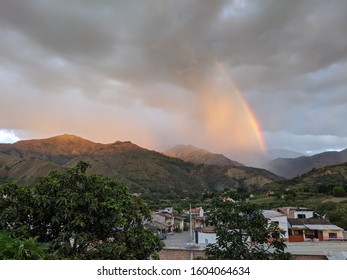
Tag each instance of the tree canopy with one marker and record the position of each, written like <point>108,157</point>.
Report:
<point>79,216</point>
<point>243,233</point>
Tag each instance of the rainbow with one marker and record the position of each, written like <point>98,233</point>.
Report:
<point>254,123</point>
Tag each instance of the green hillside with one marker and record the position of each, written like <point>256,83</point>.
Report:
<point>324,190</point>
<point>158,178</point>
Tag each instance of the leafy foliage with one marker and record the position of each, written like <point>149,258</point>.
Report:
<point>339,191</point>
<point>17,249</point>
<point>336,212</point>
<point>79,216</point>
<point>242,231</point>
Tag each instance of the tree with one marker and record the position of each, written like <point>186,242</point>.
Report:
<point>79,216</point>
<point>17,249</point>
<point>242,231</point>
<point>338,191</point>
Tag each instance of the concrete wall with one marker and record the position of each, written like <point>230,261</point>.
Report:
<point>326,235</point>
<point>282,224</point>
<point>159,219</point>
<point>206,238</point>
<point>308,214</point>
<point>180,254</point>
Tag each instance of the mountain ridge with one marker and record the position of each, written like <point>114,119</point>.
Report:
<point>292,167</point>
<point>153,174</point>
<point>65,145</point>
<point>196,155</point>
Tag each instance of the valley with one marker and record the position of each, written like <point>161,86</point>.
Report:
<point>185,174</point>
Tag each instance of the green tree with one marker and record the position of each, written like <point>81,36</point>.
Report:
<point>242,231</point>
<point>17,249</point>
<point>339,191</point>
<point>338,216</point>
<point>79,216</point>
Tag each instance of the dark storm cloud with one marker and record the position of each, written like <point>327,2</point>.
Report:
<point>143,59</point>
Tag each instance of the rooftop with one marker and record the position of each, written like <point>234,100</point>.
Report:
<point>269,214</point>
<point>309,221</point>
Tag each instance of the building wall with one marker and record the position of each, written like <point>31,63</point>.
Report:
<point>158,218</point>
<point>180,254</point>
<point>338,232</point>
<point>296,238</point>
<point>183,254</point>
<point>179,224</point>
<point>308,214</point>
<point>206,238</point>
<point>282,224</point>
<point>309,257</point>
<point>201,213</point>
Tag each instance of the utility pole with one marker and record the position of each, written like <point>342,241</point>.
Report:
<point>190,224</point>
<point>190,233</point>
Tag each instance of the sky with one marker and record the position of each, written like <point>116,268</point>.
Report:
<point>238,77</point>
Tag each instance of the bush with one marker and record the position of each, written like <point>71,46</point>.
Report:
<point>339,191</point>
<point>21,249</point>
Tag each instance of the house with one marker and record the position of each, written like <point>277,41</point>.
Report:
<point>157,227</point>
<point>197,217</point>
<point>198,222</point>
<point>313,229</point>
<point>178,223</point>
<point>303,226</point>
<point>195,212</point>
<point>296,212</point>
<point>168,210</point>
<point>205,235</point>
<point>298,225</point>
<point>277,218</point>
<point>164,218</point>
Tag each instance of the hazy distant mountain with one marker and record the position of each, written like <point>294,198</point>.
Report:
<point>200,156</point>
<point>283,153</point>
<point>291,167</point>
<point>154,175</point>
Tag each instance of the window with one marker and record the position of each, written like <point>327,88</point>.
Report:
<point>274,223</point>
<point>298,233</point>
<point>332,235</point>
<point>301,216</point>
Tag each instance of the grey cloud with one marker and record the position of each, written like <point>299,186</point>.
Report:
<point>288,58</point>
<point>65,27</point>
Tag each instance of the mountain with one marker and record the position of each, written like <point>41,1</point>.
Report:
<point>228,172</point>
<point>200,156</point>
<point>322,189</point>
<point>156,176</point>
<point>60,149</point>
<point>283,153</point>
<point>291,167</point>
<point>316,186</point>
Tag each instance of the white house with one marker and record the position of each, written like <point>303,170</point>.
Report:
<point>195,212</point>
<point>205,236</point>
<point>296,212</point>
<point>279,218</point>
